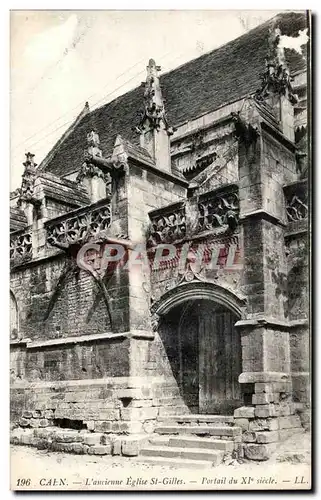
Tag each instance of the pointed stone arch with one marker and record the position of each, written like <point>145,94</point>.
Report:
<point>200,290</point>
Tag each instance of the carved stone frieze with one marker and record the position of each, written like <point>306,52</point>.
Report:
<point>219,210</point>
<point>167,226</point>
<point>20,246</point>
<point>296,201</point>
<point>296,209</point>
<point>79,228</point>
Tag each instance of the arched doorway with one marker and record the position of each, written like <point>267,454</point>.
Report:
<point>204,350</point>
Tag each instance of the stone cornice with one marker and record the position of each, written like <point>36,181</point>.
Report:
<point>214,124</point>
<point>160,173</point>
<point>109,336</point>
<point>279,136</point>
<point>273,323</point>
<point>262,214</point>
<point>142,163</point>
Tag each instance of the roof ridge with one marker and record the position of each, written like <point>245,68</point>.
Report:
<point>190,61</point>
<point>201,85</point>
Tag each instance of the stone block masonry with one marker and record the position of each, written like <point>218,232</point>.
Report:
<point>86,416</point>
<point>270,419</point>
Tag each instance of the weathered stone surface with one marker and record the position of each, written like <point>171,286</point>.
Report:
<point>131,394</point>
<point>264,424</point>
<point>77,448</point>
<point>37,413</point>
<point>93,438</point>
<point>103,426</point>
<point>262,377</point>
<point>141,403</point>
<point>43,422</point>
<point>264,398</point>
<point>118,427</point>
<point>284,409</point>
<point>116,446</point>
<point>149,426</point>
<point>273,387</point>
<point>139,413</point>
<point>249,437</point>
<point>34,422</point>
<point>267,436</point>
<point>45,433</point>
<point>68,436</point>
<point>244,412</point>
<point>24,422</point>
<point>90,425</point>
<point>106,414</point>
<point>168,411</point>
<point>290,421</point>
<point>258,451</point>
<point>27,438</point>
<point>27,414</point>
<point>100,450</point>
<point>131,446</point>
<point>263,411</point>
<point>243,423</point>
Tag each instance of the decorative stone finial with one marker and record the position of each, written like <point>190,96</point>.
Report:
<point>28,180</point>
<point>90,170</point>
<point>154,116</point>
<point>93,142</point>
<point>276,78</point>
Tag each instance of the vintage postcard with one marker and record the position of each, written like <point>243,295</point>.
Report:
<point>159,250</point>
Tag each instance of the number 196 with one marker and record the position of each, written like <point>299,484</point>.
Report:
<point>23,482</point>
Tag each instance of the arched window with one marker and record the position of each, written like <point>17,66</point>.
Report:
<point>14,319</point>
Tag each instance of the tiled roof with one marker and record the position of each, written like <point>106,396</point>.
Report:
<point>191,90</point>
<point>18,220</point>
<point>63,190</point>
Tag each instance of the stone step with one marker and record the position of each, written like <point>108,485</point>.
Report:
<point>174,462</point>
<point>211,430</point>
<point>214,456</point>
<point>201,419</point>
<point>201,443</point>
<point>159,440</point>
<point>170,411</point>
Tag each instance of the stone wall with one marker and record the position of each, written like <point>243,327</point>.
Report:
<point>116,412</point>
<point>50,307</point>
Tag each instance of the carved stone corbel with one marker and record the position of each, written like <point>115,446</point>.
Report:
<point>244,131</point>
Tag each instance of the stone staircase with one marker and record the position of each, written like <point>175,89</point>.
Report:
<point>195,441</point>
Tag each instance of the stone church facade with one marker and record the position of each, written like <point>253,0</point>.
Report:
<point>210,319</point>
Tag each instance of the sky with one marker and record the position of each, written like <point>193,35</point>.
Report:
<point>61,59</point>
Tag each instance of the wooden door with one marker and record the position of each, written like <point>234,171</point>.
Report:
<point>189,352</point>
<point>219,360</point>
